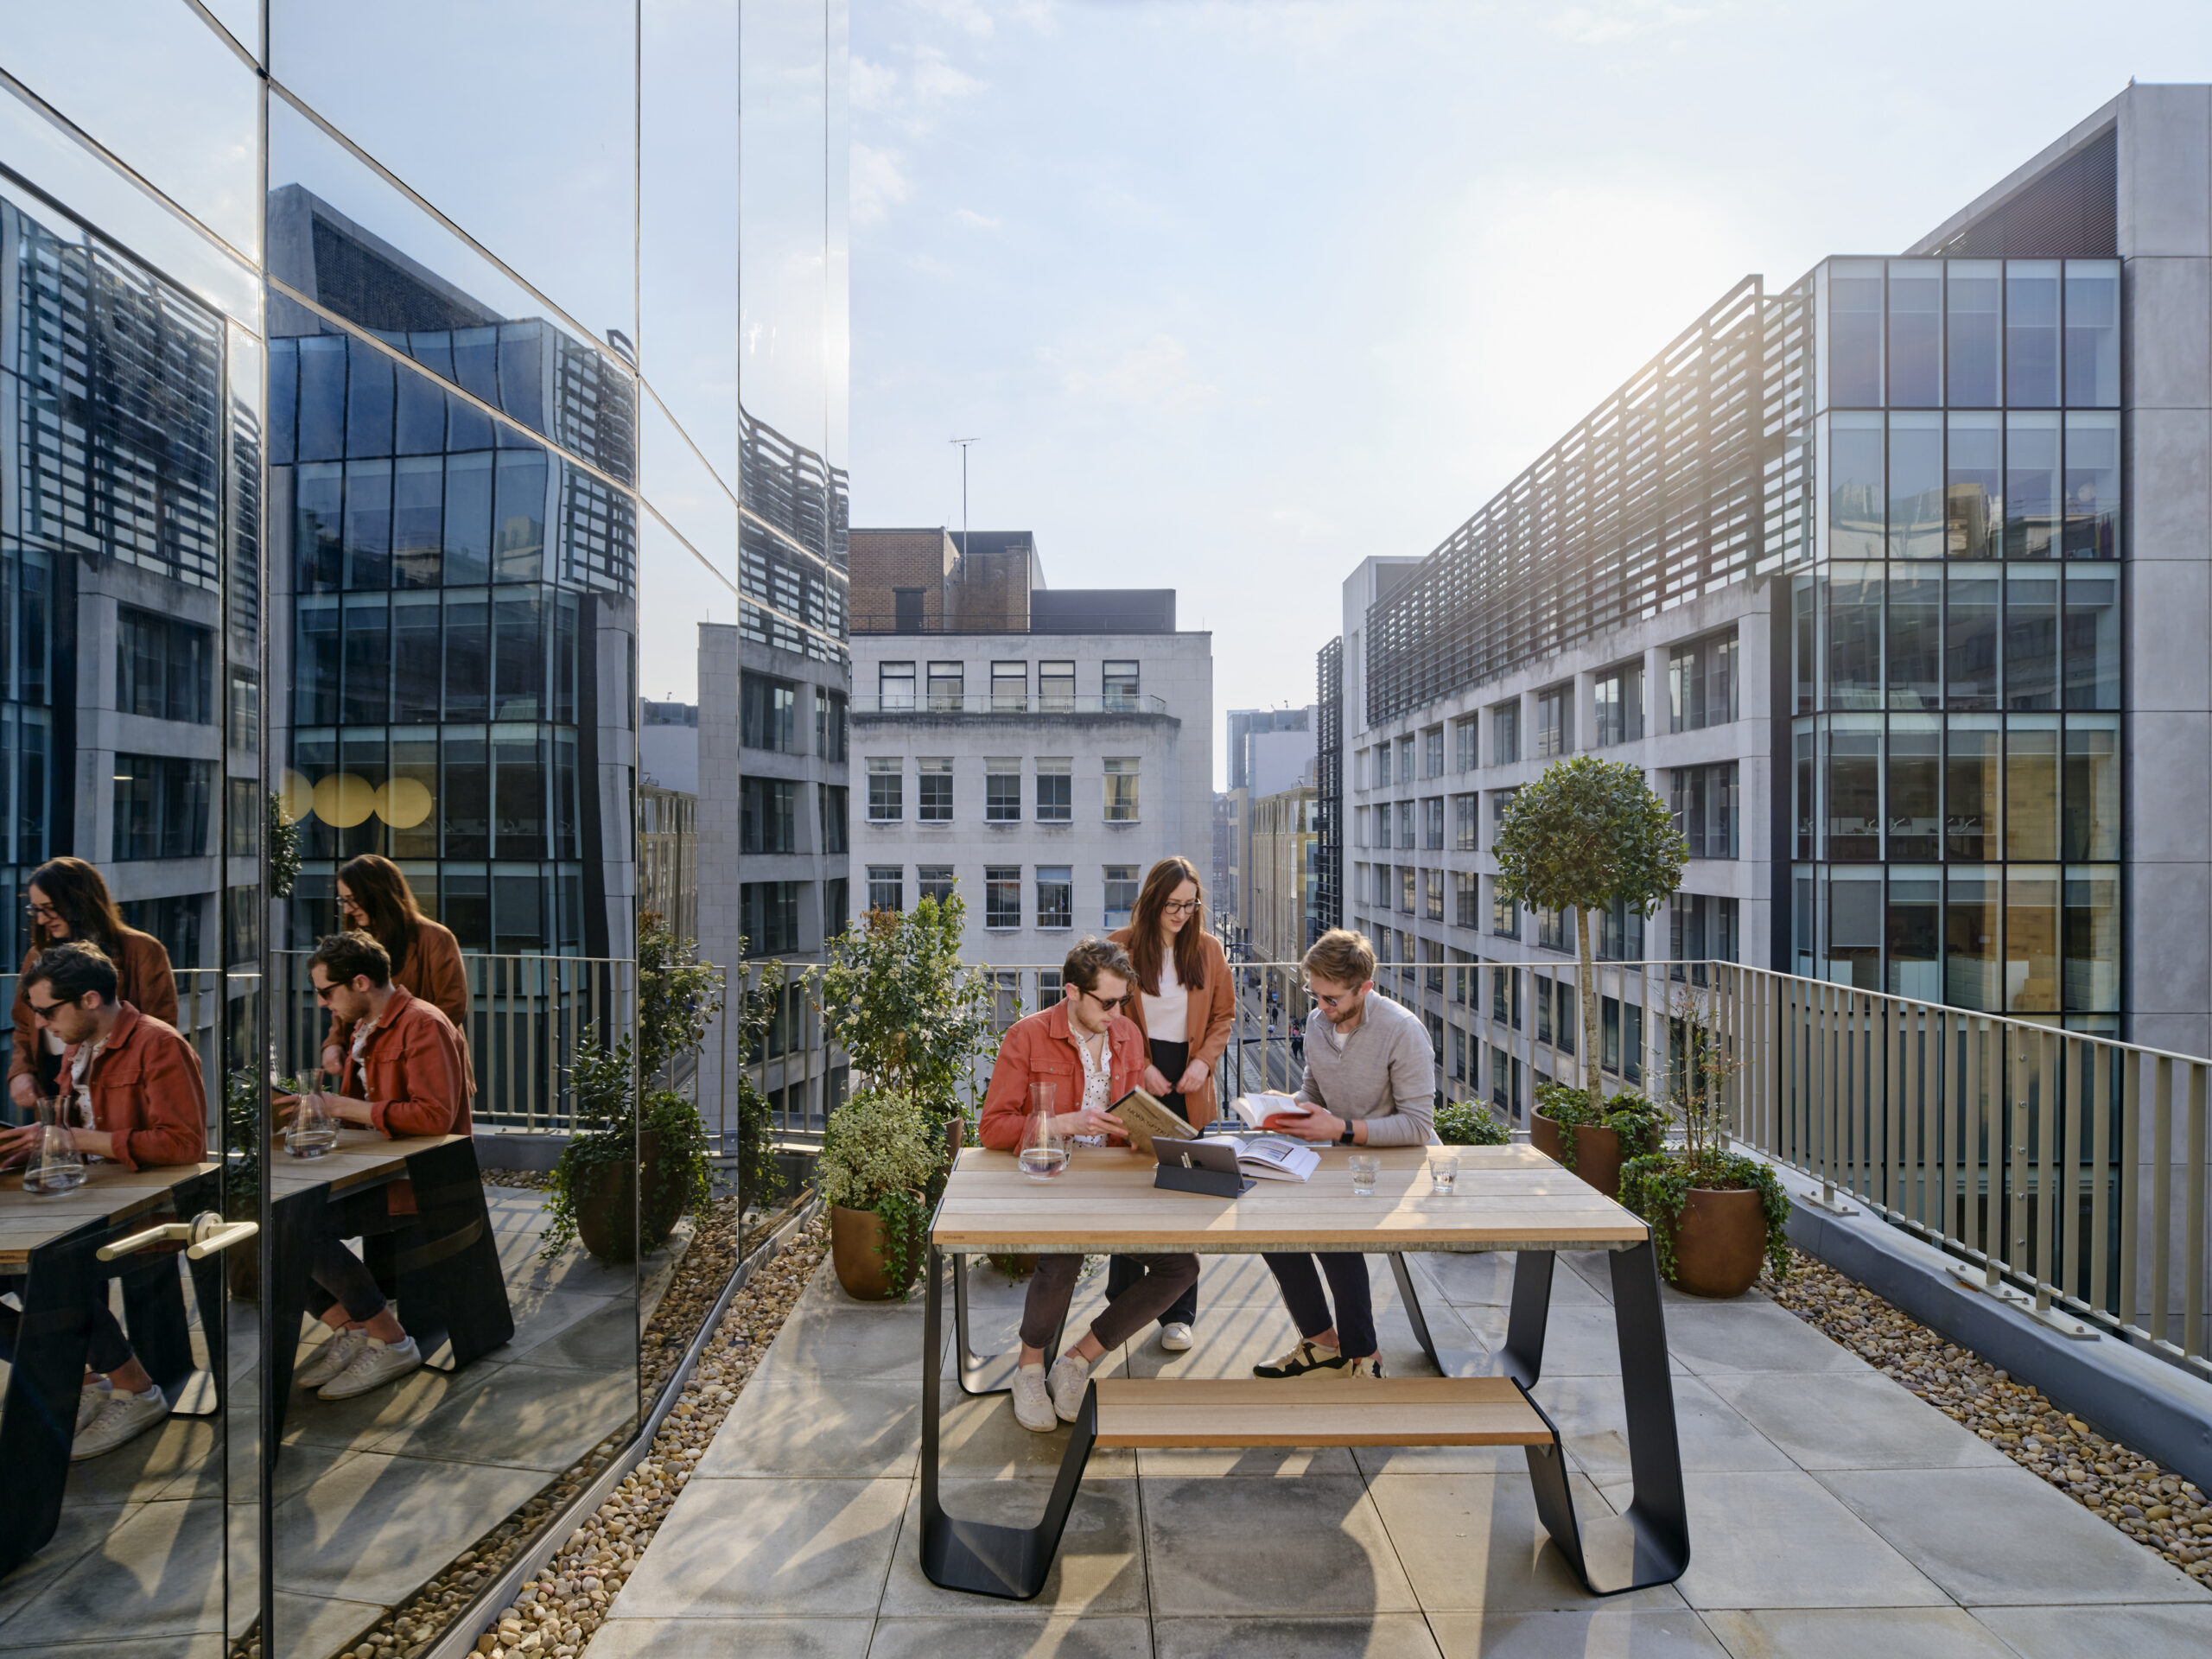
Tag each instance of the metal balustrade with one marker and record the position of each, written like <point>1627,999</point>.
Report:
<point>926,701</point>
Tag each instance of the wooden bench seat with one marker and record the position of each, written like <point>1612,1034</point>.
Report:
<point>1317,1411</point>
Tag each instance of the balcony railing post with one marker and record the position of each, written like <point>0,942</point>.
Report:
<point>2162,1203</point>
<point>2193,1334</point>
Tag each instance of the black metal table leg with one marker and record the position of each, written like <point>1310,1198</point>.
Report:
<point>1450,1362</point>
<point>1651,1543</point>
<point>1527,1316</point>
<point>62,1282</point>
<point>981,1374</point>
<point>977,1556</point>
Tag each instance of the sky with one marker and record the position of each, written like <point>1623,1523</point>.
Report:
<point>1234,295</point>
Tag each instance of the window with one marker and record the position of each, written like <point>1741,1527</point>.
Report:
<point>1701,683</point>
<point>885,790</point>
<point>836,906</point>
<point>1055,896</point>
<point>894,683</point>
<point>769,916</point>
<point>1618,933</point>
<point>767,816</point>
<point>1056,685</point>
<point>836,838</point>
<point>161,807</point>
<point>1409,888</point>
<point>1432,742</point>
<point>1382,764</point>
<point>1002,895</point>
<point>767,715</point>
<point>1002,791</point>
<point>933,797</point>
<point>1551,929</point>
<point>1118,687</point>
<point>1467,749</point>
<point>174,921</point>
<point>243,908</point>
<point>1505,915</point>
<point>1432,956</point>
<point>1505,995</point>
<point>1122,789</point>
<point>1704,803</point>
<point>906,610</point>
<point>1405,825</point>
<point>1432,823</point>
<point>1010,687</point>
<point>1406,759</point>
<point>1433,883</point>
<point>831,725</point>
<point>1465,906</point>
<point>1505,733</point>
<point>1619,699</point>
<point>1121,894</point>
<point>165,669</point>
<point>1555,722</point>
<point>1359,826</point>
<point>1703,927</point>
<point>1055,791</point>
<point>933,882</point>
<point>242,819</point>
<point>1463,978</point>
<point>1465,814</point>
<point>946,683</point>
<point>1501,802</point>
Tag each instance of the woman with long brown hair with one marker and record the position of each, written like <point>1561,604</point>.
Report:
<point>1185,1005</point>
<point>67,900</point>
<point>373,898</point>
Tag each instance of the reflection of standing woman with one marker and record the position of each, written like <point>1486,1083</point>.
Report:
<point>69,900</point>
<point>1185,1006</point>
<point>373,898</point>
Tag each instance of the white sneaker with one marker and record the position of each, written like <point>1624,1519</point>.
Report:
<point>123,1417</point>
<point>1033,1405</point>
<point>1369,1367</point>
<point>341,1350</point>
<point>1175,1336</point>
<point>90,1399</point>
<point>1070,1378</point>
<point>377,1363</point>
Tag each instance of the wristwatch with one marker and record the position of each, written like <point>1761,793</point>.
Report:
<point>1345,1140</point>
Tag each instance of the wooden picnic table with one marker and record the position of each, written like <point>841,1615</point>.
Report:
<point>1505,1198</point>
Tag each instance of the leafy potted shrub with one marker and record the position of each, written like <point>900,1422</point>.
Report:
<point>242,1179</point>
<point>1715,1214</point>
<point>881,1158</point>
<point>1462,1123</point>
<point>638,1158</point>
<point>1586,836</point>
<point>1595,1143</point>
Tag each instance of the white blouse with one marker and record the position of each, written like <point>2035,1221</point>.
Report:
<point>1167,1016</point>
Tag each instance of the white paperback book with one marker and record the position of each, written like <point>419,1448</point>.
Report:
<point>1257,1110</point>
<point>1275,1158</point>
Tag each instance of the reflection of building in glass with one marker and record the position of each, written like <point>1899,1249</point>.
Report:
<point>1842,571</point>
<point>1285,913</point>
<point>113,708</point>
<point>462,597</point>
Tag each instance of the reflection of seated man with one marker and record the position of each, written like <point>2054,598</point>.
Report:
<point>1370,1079</point>
<point>402,1077</point>
<point>135,1098</point>
<point>1092,1055</point>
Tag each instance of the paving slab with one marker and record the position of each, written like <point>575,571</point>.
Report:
<point>1099,1571</point>
<point>769,1549</point>
<point>790,1426</point>
<point>1309,1546</point>
<point>374,1526</point>
<point>1591,1414</point>
<point>1385,1636</point>
<point>2173,1632</point>
<point>1008,1638</point>
<point>1752,1336</point>
<point>1852,1419</point>
<point>1609,1633</point>
<point>721,1638</point>
<point>2000,1537</point>
<point>979,1439</point>
<point>1854,1633</point>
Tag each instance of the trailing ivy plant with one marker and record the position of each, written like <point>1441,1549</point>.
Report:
<point>1586,836</point>
<point>1462,1123</point>
<point>1640,1123</point>
<point>882,1152</point>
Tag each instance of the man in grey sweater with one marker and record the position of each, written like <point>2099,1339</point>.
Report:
<point>1370,1081</point>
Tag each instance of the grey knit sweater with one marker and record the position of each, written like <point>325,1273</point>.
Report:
<point>1385,1073</point>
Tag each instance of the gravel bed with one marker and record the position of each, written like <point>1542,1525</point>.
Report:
<point>2148,1501</point>
<point>553,1615</point>
<point>534,1180</point>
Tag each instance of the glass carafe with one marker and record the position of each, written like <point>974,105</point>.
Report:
<point>312,1130</point>
<point>1044,1149</point>
<point>55,1165</point>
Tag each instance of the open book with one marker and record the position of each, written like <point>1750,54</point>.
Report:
<point>1263,1111</point>
<point>1146,1119</point>
<point>1275,1158</point>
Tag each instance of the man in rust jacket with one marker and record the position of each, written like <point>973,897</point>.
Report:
<point>131,1094</point>
<point>403,1076</point>
<point>1092,1055</point>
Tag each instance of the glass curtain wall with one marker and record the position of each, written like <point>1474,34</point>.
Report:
<point>367,454</point>
<point>1957,638</point>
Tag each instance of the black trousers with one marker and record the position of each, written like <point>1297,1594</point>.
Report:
<point>1123,1271</point>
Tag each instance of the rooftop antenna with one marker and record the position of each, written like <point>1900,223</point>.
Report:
<point>963,443</point>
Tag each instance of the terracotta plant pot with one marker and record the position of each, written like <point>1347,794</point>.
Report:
<point>1596,1151</point>
<point>856,1252</point>
<point>1720,1242</point>
<point>606,1206</point>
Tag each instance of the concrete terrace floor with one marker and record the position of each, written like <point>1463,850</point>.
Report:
<point>1832,1512</point>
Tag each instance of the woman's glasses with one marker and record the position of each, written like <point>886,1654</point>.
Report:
<point>1181,907</point>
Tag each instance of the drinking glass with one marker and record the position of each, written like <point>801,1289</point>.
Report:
<point>1443,1170</point>
<point>56,1166</point>
<point>311,1131</point>
<point>1044,1150</point>
<point>1365,1166</point>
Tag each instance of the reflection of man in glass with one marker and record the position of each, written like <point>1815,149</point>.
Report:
<point>137,1101</point>
<point>405,1061</point>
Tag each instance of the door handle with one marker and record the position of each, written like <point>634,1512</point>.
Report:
<point>202,1236</point>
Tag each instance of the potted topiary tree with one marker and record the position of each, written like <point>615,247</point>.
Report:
<point>1586,836</point>
<point>879,1169</point>
<point>1715,1214</point>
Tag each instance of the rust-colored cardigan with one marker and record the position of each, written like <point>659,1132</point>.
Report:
<point>142,978</point>
<point>147,1092</point>
<point>1212,1018</point>
<point>1038,1049</point>
<point>434,972</point>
